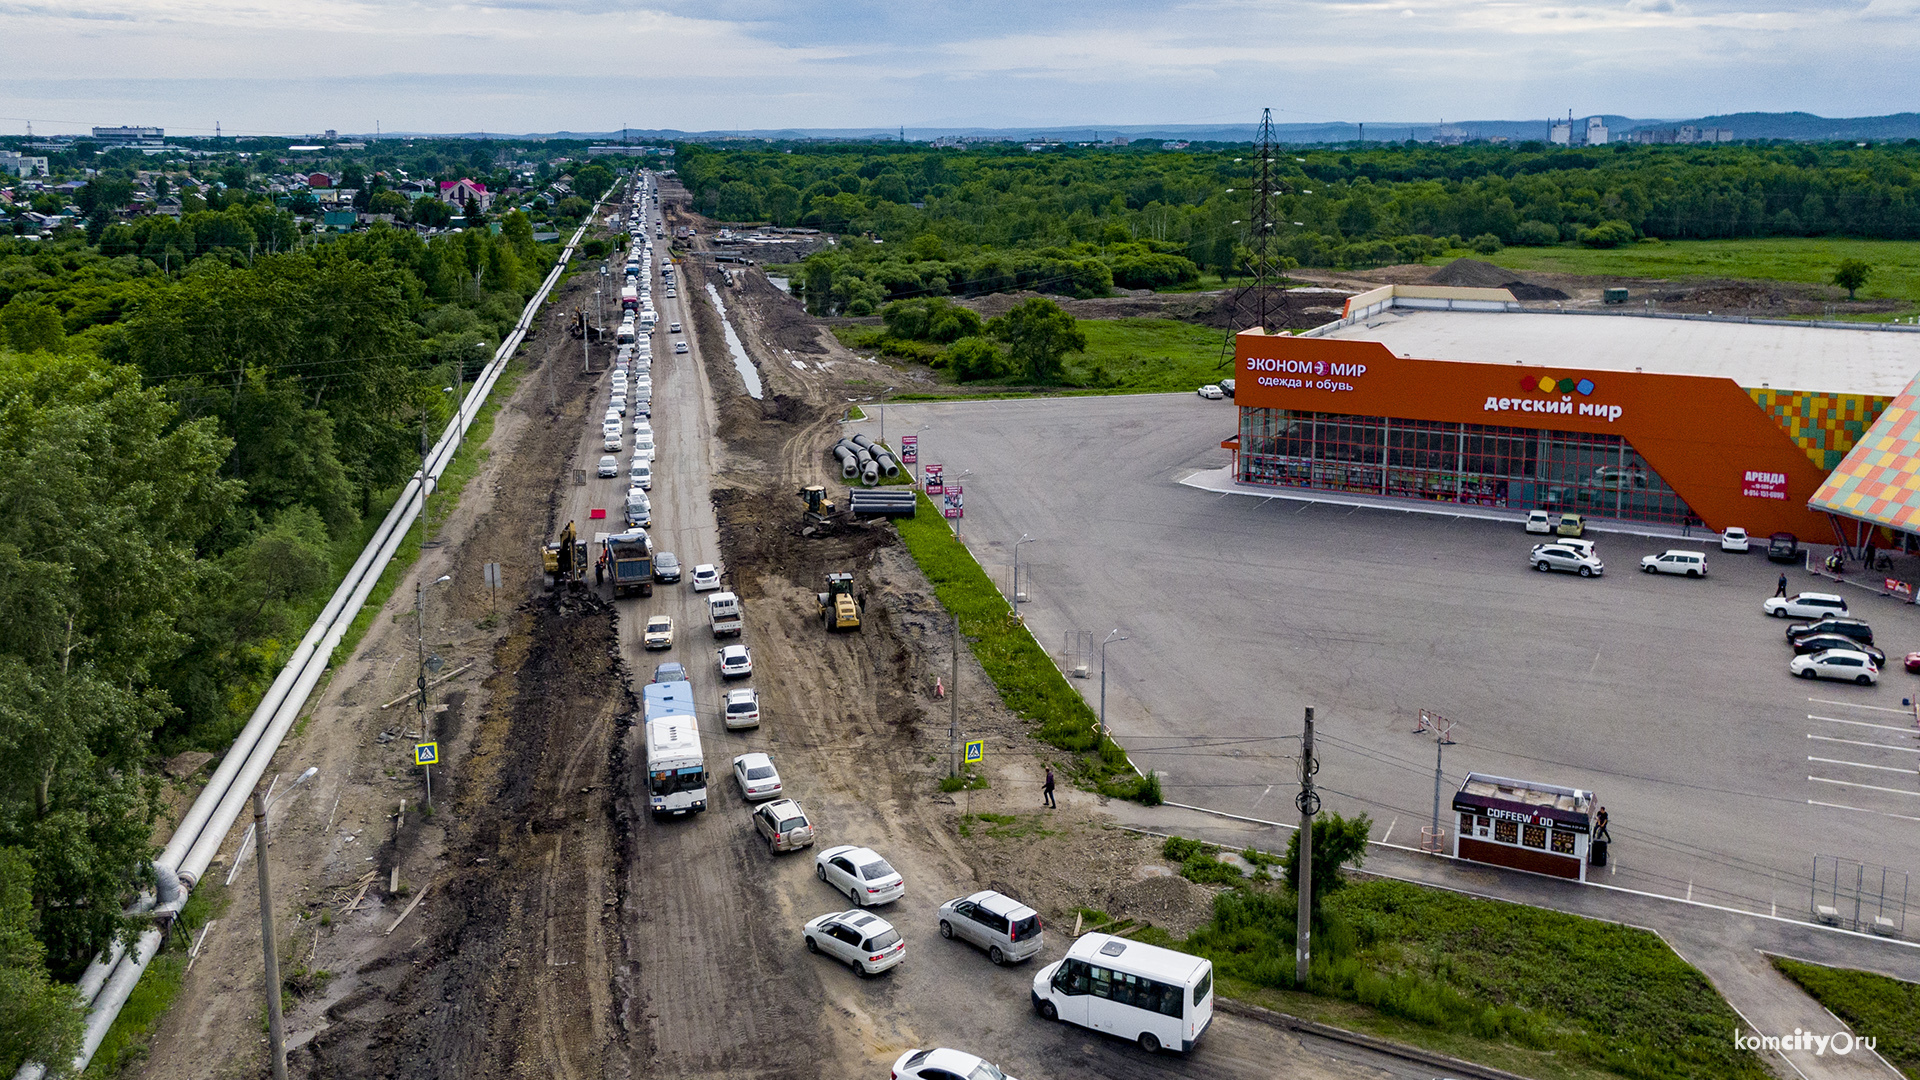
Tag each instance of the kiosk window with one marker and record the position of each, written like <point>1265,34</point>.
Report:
<point>1506,832</point>
<point>1562,842</point>
<point>1466,824</point>
<point>1533,836</point>
<point>1486,825</point>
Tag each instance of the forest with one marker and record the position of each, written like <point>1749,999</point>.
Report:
<point>1083,221</point>
<point>200,419</point>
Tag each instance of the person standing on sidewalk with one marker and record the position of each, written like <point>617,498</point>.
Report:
<point>1046,789</point>
<point>1781,589</point>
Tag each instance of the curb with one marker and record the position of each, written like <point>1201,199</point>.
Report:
<point>1287,1022</point>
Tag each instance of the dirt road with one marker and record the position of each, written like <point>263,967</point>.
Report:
<point>559,928</point>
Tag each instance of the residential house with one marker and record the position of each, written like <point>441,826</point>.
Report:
<point>457,192</point>
<point>319,180</point>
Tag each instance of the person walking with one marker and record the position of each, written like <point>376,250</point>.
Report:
<point>1600,823</point>
<point>1781,589</point>
<point>1046,789</point>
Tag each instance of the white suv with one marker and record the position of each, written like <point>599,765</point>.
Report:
<point>1547,557</point>
<point>1806,605</point>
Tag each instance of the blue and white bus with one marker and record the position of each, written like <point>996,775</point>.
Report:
<point>676,769</point>
<point>1152,996</point>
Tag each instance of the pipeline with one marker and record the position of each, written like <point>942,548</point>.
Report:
<point>888,466</point>
<point>110,979</point>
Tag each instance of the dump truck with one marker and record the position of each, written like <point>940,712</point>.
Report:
<point>630,562</point>
<point>839,607</point>
<point>565,560</point>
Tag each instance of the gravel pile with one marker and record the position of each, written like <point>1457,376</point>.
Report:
<point>1172,903</point>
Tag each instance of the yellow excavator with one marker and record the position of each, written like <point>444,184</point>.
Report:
<point>839,608</point>
<point>565,561</point>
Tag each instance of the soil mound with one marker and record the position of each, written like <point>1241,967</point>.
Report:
<point>1471,274</point>
<point>1523,290</point>
<point>1172,903</point>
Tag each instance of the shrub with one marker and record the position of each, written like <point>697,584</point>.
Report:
<point>1536,234</point>
<point>1485,243</point>
<point>1607,234</point>
<point>976,358</point>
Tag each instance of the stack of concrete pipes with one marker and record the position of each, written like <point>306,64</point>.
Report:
<point>862,457</point>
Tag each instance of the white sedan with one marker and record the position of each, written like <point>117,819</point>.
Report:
<point>862,940</point>
<point>860,873</point>
<point>757,777</point>
<point>1212,392</point>
<point>705,576</point>
<point>941,1063</point>
<point>1846,665</point>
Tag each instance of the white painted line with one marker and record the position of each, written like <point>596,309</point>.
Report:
<point>1857,723</point>
<point>1858,765</point>
<point>1869,787</point>
<point>1874,745</point>
<point>1388,835</point>
<point>1881,813</point>
<point>1851,705</point>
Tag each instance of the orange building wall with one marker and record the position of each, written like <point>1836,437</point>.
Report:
<point>1702,435</point>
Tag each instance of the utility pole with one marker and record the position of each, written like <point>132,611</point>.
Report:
<point>1439,749</point>
<point>953,706</point>
<point>275,1036</point>
<point>1308,802</point>
<point>420,680</point>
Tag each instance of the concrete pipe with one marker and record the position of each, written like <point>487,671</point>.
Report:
<point>863,441</point>
<point>869,474</point>
<point>887,464</point>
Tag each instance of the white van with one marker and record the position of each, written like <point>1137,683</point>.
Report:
<point>1690,563</point>
<point>1153,996</point>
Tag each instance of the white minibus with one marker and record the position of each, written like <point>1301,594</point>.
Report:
<point>1152,996</point>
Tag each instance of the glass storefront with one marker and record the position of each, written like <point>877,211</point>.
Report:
<point>1521,468</point>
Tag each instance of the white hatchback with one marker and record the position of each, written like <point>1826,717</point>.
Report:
<point>1539,521</point>
<point>1846,665</point>
<point>1735,540</point>
<point>706,576</point>
<point>742,708</point>
<point>860,939</point>
<point>736,662</point>
<point>861,873</point>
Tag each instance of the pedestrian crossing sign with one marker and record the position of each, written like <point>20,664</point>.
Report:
<point>426,753</point>
<point>976,751</point>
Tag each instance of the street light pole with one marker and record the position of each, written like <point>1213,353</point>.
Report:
<point>1017,598</point>
<point>275,1035</point>
<point>1116,635</point>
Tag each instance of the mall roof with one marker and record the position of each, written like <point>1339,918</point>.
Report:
<point>1880,479</point>
<point>1822,359</point>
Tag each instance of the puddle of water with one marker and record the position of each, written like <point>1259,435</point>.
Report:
<point>748,373</point>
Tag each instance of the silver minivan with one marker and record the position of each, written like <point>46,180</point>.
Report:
<point>1009,930</point>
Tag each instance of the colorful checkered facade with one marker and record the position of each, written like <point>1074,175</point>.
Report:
<point>1879,481</point>
<point>1825,426</point>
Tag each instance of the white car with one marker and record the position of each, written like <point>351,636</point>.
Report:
<point>679,346</point>
<point>643,448</point>
<point>643,427</point>
<point>640,475</point>
<point>742,708</point>
<point>618,404</point>
<point>1539,521</point>
<point>1846,665</point>
<point>659,633</point>
<point>943,1063</point>
<point>1547,557</point>
<point>609,466</point>
<point>612,416</point>
<point>736,662</point>
<point>1212,392</point>
<point>705,576</point>
<point>673,328</point>
<point>757,777</point>
<point>1806,605</point>
<point>610,441</point>
<point>860,873</point>
<point>1734,539</point>
<point>860,939</point>
<point>1687,563</point>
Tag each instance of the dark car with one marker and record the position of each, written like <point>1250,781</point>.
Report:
<point>666,567</point>
<point>1847,628</point>
<point>670,672</point>
<point>1783,547</point>
<point>1814,643</point>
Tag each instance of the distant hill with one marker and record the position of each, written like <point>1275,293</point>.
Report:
<point>1799,126</point>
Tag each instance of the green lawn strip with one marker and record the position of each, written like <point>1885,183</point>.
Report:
<point>1593,994</point>
<point>1896,263</point>
<point>125,1043</point>
<point>1021,670</point>
<point>1888,1010</point>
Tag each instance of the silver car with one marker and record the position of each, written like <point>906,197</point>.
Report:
<point>1547,557</point>
<point>862,940</point>
<point>1009,930</point>
<point>609,466</point>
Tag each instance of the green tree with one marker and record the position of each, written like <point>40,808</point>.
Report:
<point>1336,842</point>
<point>1038,334</point>
<point>474,215</point>
<point>431,212</point>
<point>972,359</point>
<point>1851,274</point>
<point>43,1018</point>
<point>30,324</point>
<point>388,202</point>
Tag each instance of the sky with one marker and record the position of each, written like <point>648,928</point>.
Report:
<point>271,67</point>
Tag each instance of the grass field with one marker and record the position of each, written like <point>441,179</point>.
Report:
<point>1886,1010</point>
<point>1896,263</point>
<point>1136,355</point>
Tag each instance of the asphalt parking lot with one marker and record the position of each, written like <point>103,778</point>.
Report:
<point>1669,698</point>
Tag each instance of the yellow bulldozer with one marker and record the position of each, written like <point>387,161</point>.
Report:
<point>565,561</point>
<point>840,608</point>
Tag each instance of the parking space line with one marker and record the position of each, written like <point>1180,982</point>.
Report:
<point>1857,723</point>
<point>1869,787</point>
<point>1851,705</point>
<point>1861,809</point>
<point>1858,764</point>
<point>1874,745</point>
